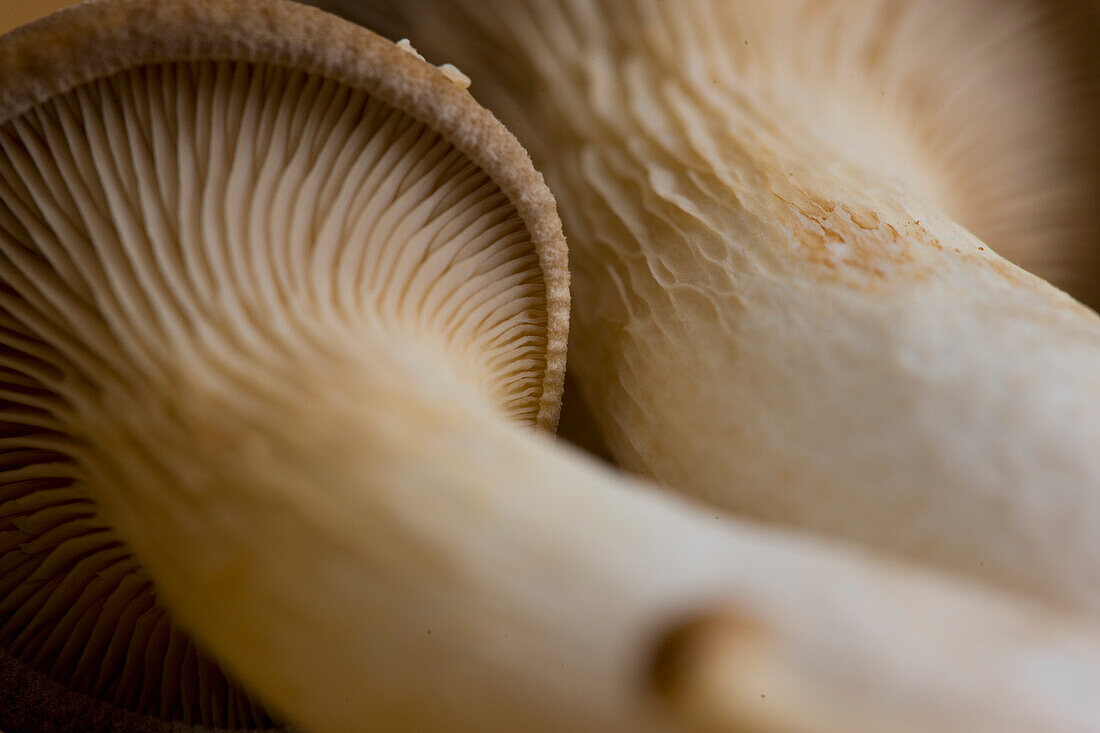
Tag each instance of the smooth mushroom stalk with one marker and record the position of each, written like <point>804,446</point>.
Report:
<point>775,310</point>
<point>235,199</point>
<point>391,553</point>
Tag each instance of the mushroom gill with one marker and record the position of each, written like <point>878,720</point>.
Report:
<point>191,203</point>
<point>781,303</point>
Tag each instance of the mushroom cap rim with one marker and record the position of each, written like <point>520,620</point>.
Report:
<point>100,38</point>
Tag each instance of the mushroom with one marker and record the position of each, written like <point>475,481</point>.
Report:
<point>776,310</point>
<point>281,304</point>
<point>194,195</point>
<point>410,561</point>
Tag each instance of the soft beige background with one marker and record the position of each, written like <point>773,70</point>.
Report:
<point>14,13</point>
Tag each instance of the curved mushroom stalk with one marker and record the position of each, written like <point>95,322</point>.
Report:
<point>774,312</point>
<point>391,553</point>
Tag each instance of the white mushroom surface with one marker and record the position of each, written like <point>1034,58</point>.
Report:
<point>775,307</point>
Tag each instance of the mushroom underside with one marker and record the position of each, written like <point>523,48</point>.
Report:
<point>211,217</point>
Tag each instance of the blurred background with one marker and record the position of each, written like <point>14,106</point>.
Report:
<point>14,13</point>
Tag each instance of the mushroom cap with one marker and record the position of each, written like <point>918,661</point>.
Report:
<point>97,39</point>
<point>66,245</point>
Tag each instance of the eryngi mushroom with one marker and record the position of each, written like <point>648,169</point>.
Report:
<point>775,307</point>
<point>281,303</point>
<point>189,193</point>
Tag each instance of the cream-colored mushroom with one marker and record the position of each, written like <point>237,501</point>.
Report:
<point>775,310</point>
<point>196,197</point>
<point>409,561</point>
<point>281,296</point>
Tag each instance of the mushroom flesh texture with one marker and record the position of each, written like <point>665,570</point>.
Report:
<point>772,310</point>
<point>195,202</point>
<point>282,321</point>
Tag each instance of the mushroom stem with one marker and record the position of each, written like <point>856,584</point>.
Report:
<point>773,312</point>
<point>397,555</point>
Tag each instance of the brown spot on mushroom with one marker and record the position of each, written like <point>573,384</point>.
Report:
<point>855,245</point>
<point>705,667</point>
<point>690,644</point>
